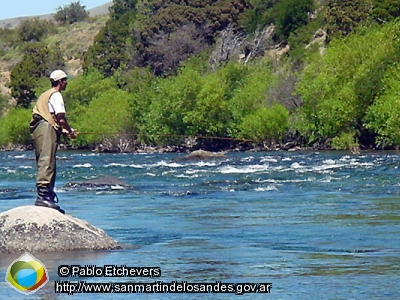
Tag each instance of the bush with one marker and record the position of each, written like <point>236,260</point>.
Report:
<point>38,61</point>
<point>265,124</point>
<point>106,116</point>
<point>72,13</point>
<point>168,103</point>
<point>3,104</point>
<point>291,15</point>
<point>82,89</point>
<point>33,29</point>
<point>383,116</point>
<point>339,87</point>
<point>343,17</point>
<point>345,141</point>
<point>257,16</point>
<point>385,10</point>
<point>14,128</point>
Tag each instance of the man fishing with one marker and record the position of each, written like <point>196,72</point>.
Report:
<point>47,124</point>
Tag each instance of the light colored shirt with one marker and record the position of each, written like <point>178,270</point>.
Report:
<point>56,103</point>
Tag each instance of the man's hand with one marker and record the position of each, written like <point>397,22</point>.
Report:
<point>65,132</point>
<point>73,134</point>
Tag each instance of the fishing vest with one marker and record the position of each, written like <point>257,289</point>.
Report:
<point>42,108</point>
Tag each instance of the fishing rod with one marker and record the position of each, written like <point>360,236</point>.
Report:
<point>174,135</point>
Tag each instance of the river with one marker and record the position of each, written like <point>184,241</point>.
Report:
<point>316,225</point>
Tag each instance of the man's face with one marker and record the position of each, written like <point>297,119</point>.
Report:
<point>63,84</point>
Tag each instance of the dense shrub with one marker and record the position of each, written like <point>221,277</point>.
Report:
<point>383,116</point>
<point>72,13</point>
<point>291,15</point>
<point>265,124</point>
<point>38,61</point>
<point>339,88</point>
<point>344,16</point>
<point>106,116</point>
<point>385,10</point>
<point>33,30</point>
<point>14,128</point>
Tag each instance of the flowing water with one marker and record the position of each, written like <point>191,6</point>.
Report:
<point>316,225</point>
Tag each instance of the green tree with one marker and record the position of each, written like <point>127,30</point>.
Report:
<point>344,16</point>
<point>33,30</point>
<point>14,127</point>
<point>170,100</point>
<point>110,48</point>
<point>258,14</point>
<point>72,13</point>
<point>159,34</point>
<point>265,124</point>
<point>339,87</point>
<point>291,15</point>
<point>35,64</point>
<point>385,10</point>
<point>210,116</point>
<point>103,116</point>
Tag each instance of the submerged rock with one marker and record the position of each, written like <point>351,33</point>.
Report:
<point>41,229</point>
<point>104,183</point>
<point>201,155</point>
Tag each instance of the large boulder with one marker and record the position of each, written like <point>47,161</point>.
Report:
<point>41,229</point>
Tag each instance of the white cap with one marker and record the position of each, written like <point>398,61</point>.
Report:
<point>57,75</point>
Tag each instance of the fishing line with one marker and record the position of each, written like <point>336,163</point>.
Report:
<point>174,135</point>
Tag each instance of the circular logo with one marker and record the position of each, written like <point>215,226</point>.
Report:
<point>27,274</point>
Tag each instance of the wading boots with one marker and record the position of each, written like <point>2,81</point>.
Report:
<point>47,198</point>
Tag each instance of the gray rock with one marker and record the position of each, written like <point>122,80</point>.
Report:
<point>201,155</point>
<point>40,229</point>
<point>103,183</point>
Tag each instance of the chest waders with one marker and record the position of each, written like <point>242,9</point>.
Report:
<point>45,140</point>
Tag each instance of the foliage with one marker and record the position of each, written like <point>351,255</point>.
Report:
<point>385,10</point>
<point>265,124</point>
<point>339,88</point>
<point>72,13</point>
<point>210,116</point>
<point>282,84</point>
<point>258,15</point>
<point>194,103</point>
<point>3,104</point>
<point>191,23</point>
<point>344,97</point>
<point>345,141</point>
<point>159,34</point>
<point>106,116</point>
<point>38,61</point>
<point>299,41</point>
<point>169,102</point>
<point>81,90</point>
<point>14,128</point>
<point>166,51</point>
<point>383,116</point>
<point>7,38</point>
<point>291,15</point>
<point>344,16</point>
<point>134,80</point>
<point>248,91</point>
<point>109,50</point>
<point>122,7</point>
<point>34,30</point>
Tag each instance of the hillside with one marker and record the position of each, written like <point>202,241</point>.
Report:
<point>12,23</point>
<point>74,39</point>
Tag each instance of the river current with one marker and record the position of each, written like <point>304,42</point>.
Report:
<point>316,225</point>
